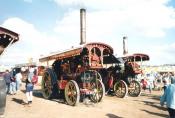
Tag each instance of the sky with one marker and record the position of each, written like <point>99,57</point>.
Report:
<point>47,26</point>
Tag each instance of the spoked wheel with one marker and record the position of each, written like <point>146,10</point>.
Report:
<point>134,88</point>
<point>120,89</point>
<point>98,91</point>
<point>46,85</point>
<point>72,93</point>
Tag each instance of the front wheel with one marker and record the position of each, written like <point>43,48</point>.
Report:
<point>72,93</point>
<point>120,89</point>
<point>98,91</point>
<point>134,88</point>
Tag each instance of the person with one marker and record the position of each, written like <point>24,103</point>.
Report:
<point>29,86</point>
<point>172,77</point>
<point>144,83</point>
<point>7,78</point>
<point>150,82</point>
<point>165,81</point>
<point>110,83</point>
<point>12,84</point>
<point>18,77</point>
<point>169,98</point>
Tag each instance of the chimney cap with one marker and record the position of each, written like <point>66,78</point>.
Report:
<point>82,9</point>
<point>125,37</point>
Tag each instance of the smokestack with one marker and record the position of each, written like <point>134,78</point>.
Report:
<point>125,45</point>
<point>82,26</point>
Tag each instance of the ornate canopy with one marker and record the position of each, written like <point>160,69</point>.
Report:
<point>7,37</point>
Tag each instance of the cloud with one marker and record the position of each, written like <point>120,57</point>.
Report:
<point>161,54</point>
<point>143,15</point>
<point>68,28</point>
<point>108,21</point>
<point>32,42</point>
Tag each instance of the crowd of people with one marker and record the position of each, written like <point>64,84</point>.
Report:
<point>14,79</point>
<point>151,81</point>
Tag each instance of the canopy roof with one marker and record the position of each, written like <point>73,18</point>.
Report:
<point>7,37</point>
<point>136,57</point>
<point>75,51</point>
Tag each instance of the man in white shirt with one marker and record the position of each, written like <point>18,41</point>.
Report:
<point>18,77</point>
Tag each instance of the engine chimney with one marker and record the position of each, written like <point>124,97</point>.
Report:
<point>82,26</point>
<point>125,45</point>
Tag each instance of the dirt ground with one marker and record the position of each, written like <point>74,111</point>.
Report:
<point>145,106</point>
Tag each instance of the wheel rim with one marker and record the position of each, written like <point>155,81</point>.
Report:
<point>134,89</point>
<point>98,91</point>
<point>46,85</point>
<point>72,93</point>
<point>120,89</point>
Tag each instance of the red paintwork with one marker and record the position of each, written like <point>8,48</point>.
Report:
<point>62,84</point>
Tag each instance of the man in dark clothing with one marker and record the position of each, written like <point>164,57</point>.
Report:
<point>7,77</point>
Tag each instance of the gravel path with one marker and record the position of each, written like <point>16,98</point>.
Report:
<point>145,106</point>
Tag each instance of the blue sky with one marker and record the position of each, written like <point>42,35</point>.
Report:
<point>47,26</point>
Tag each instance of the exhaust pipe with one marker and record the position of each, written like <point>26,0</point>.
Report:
<point>82,26</point>
<point>125,45</point>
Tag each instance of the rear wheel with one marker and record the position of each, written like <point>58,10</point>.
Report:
<point>72,93</point>
<point>134,88</point>
<point>120,89</point>
<point>46,85</point>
